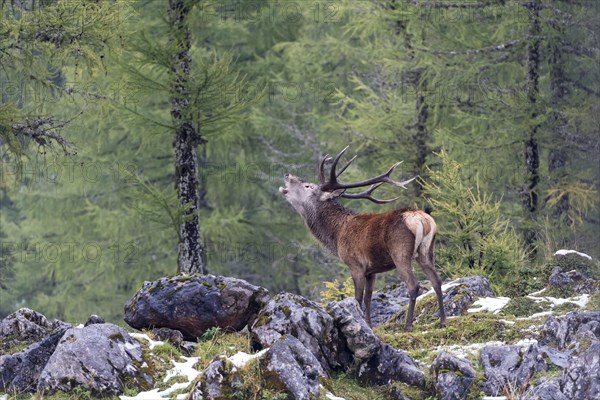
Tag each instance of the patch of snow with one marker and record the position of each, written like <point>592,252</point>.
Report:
<point>538,292</point>
<point>581,300</point>
<point>185,368</point>
<point>508,322</point>
<point>564,252</point>
<point>464,351</point>
<point>493,304</point>
<point>180,369</point>
<point>329,395</point>
<point>493,398</point>
<point>3,397</point>
<point>444,288</point>
<point>525,343</point>
<point>240,358</point>
<point>536,315</point>
<point>151,343</point>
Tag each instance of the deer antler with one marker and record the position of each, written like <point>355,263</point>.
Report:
<point>375,182</point>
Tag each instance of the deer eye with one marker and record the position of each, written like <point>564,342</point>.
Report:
<point>307,186</point>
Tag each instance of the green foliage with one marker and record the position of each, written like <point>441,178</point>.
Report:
<point>582,199</point>
<point>475,237</point>
<point>166,351</point>
<point>272,95</point>
<point>336,291</point>
<point>210,334</point>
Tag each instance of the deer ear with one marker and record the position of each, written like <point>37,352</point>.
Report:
<point>332,195</point>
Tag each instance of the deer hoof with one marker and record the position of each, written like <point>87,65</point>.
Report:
<point>408,328</point>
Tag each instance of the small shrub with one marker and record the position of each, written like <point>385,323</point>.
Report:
<point>476,238</point>
<point>336,291</point>
<point>166,351</point>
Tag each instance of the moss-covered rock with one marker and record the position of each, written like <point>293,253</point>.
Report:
<point>194,303</point>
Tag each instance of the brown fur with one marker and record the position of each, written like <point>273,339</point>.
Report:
<point>370,243</point>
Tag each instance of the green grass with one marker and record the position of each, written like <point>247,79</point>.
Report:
<point>425,338</point>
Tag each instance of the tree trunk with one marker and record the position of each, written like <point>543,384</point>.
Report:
<point>421,138</point>
<point>191,252</point>
<point>558,157</point>
<point>532,155</point>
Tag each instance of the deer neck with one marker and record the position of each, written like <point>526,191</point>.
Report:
<point>326,221</point>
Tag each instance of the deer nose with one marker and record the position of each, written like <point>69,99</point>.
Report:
<point>286,176</point>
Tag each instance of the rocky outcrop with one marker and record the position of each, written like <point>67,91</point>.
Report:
<point>293,315</point>
<point>26,326</point>
<point>19,372</point>
<point>581,379</point>
<point>98,357</point>
<point>452,376</point>
<point>390,303</point>
<point>378,363</point>
<point>219,381</point>
<point>169,335</point>
<point>192,304</point>
<point>458,296</point>
<point>463,292</point>
<point>390,365</point>
<point>359,338</point>
<point>288,367</point>
<point>507,368</point>
<point>571,283</point>
<point>569,330</point>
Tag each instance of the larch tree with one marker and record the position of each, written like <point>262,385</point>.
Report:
<point>191,254</point>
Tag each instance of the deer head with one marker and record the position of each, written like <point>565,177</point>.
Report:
<point>306,196</point>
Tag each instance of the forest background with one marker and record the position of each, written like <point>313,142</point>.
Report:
<point>492,103</point>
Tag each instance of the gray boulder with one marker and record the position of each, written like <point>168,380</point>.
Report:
<point>293,315</point>
<point>507,368</point>
<point>458,297</point>
<point>359,337</point>
<point>390,304</point>
<point>568,331</point>
<point>576,261</point>
<point>571,283</point>
<point>94,319</point>
<point>452,376</point>
<point>194,303</point>
<point>547,390</point>
<point>390,365</point>
<point>289,367</point>
<point>464,293</point>
<point>98,357</point>
<point>169,335</point>
<point>220,381</point>
<point>581,380</point>
<point>378,363</point>
<point>26,326</point>
<point>19,372</point>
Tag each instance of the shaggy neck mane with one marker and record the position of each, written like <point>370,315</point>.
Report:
<point>325,221</point>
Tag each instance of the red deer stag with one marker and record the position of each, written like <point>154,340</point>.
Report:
<point>367,243</point>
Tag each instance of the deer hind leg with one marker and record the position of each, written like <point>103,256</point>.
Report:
<point>370,281</point>
<point>404,267</point>
<point>359,286</point>
<point>425,259</point>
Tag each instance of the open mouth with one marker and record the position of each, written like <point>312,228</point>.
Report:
<point>283,190</point>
